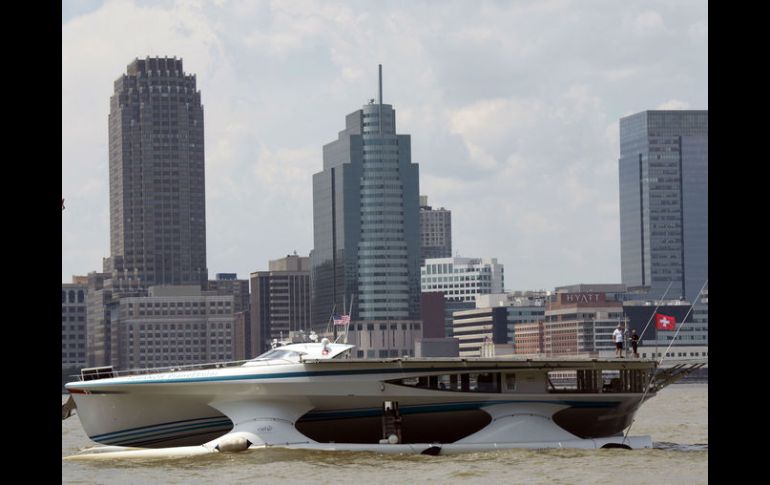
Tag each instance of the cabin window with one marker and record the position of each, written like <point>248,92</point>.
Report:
<point>280,354</point>
<point>486,382</point>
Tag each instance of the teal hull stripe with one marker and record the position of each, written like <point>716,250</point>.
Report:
<point>146,431</point>
<point>166,435</point>
<point>289,375</point>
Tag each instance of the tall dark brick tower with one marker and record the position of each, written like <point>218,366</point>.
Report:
<point>157,182</point>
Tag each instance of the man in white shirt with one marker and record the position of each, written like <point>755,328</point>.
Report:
<point>618,336</point>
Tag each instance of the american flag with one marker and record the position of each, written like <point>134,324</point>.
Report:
<point>341,319</point>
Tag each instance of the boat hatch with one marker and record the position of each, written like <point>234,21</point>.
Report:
<point>93,373</point>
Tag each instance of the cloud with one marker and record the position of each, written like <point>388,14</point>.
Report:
<point>512,108</point>
<point>673,104</point>
<point>648,22</point>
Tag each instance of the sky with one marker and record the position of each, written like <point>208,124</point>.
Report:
<point>513,108</point>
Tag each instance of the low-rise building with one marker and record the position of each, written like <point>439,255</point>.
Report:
<point>384,339</point>
<point>474,327</point>
<point>73,322</point>
<point>173,325</point>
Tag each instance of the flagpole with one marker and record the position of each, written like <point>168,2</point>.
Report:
<point>653,316</point>
<point>685,318</point>
<point>350,311</point>
<point>331,320</point>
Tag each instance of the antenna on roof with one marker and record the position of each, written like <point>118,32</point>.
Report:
<point>380,98</point>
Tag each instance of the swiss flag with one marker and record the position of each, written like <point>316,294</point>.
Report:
<point>664,322</point>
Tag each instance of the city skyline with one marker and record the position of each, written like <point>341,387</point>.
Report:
<point>516,133</point>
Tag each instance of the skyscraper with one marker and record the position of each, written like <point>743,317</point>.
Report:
<point>435,231</point>
<point>157,186</point>
<point>366,225</point>
<point>157,225</point>
<point>663,170</point>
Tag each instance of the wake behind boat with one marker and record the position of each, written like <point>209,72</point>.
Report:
<point>312,395</point>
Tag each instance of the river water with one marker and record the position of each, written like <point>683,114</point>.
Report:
<point>677,420</point>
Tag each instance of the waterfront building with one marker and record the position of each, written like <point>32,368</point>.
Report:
<point>437,347</point>
<point>474,327</point>
<point>691,324</point>
<point>663,173</point>
<point>280,302</point>
<point>366,222</point>
<point>157,202</point>
<point>462,279</point>
<point>73,322</point>
<point>384,338</point>
<point>435,231</point>
<point>528,338</point>
<point>575,324</point>
<point>229,284</point>
<point>173,325</point>
<point>612,291</point>
<point>521,307</point>
<point>433,314</point>
<point>450,307</point>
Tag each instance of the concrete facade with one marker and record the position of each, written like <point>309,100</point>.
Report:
<point>437,347</point>
<point>433,310</point>
<point>435,231</point>
<point>174,326</point>
<point>580,324</point>
<point>462,279</point>
<point>384,339</point>
<point>474,327</point>
<point>73,323</point>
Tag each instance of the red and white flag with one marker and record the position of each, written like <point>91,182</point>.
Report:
<point>341,319</point>
<point>664,322</point>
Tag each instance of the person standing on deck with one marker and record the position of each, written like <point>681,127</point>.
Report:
<point>635,342</point>
<point>618,336</point>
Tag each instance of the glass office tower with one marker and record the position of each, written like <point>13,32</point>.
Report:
<point>366,226</point>
<point>663,170</point>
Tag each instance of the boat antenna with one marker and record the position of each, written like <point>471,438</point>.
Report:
<point>663,356</point>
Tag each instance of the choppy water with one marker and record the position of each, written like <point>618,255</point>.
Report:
<point>677,420</point>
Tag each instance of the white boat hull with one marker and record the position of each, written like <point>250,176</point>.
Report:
<point>337,405</point>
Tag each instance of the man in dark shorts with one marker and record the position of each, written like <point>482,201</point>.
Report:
<point>617,335</point>
<point>634,342</point>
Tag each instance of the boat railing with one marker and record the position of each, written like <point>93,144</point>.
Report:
<point>108,371</point>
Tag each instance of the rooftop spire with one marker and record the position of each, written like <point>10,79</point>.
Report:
<point>380,99</point>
